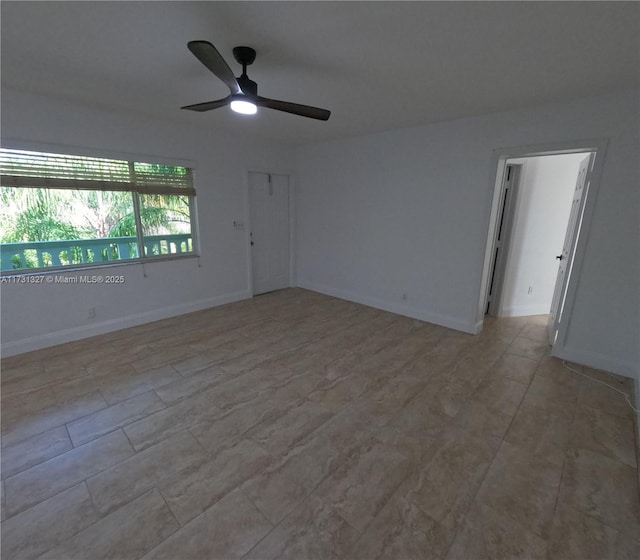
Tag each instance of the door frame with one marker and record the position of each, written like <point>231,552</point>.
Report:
<point>292,224</point>
<point>499,262</point>
<point>497,167</point>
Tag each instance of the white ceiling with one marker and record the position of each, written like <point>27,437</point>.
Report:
<point>375,65</point>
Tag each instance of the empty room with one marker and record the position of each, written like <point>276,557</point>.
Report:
<point>320,280</point>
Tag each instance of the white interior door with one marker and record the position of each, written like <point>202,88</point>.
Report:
<point>571,237</point>
<point>269,233</point>
<point>503,238</point>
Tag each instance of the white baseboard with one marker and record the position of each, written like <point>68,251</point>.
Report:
<point>597,361</point>
<point>477,329</point>
<point>85,331</point>
<point>525,310</point>
<point>394,307</point>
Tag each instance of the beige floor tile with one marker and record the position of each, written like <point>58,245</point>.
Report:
<point>602,488</point>
<point>55,371</point>
<point>47,479</point>
<point>171,420</point>
<point>539,423</point>
<point>383,402</point>
<point>292,390</point>
<point>44,526</point>
<point>35,450</point>
<point>535,331</point>
<point>3,509</point>
<point>444,487</point>
<point>130,382</point>
<point>343,390</point>
<point>562,390</point>
<point>627,548</point>
<point>555,368</point>
<point>243,355</point>
<point>42,421</point>
<point>402,531</point>
<point>119,484</point>
<point>359,333</point>
<point>313,531</point>
<point>198,486</point>
<point>482,421</point>
<point>488,535</point>
<point>279,434</point>
<point>284,484</point>
<point>195,363</point>
<point>363,483</point>
<point>528,348</point>
<point>240,388</point>
<point>625,384</point>
<point>517,368</point>
<point>51,397</point>
<point>416,430</point>
<point>421,367</point>
<point>228,530</point>
<point>21,365</point>
<point>485,352</point>
<point>451,398</point>
<point>307,411</point>
<point>500,394</point>
<point>125,534</point>
<point>116,416</point>
<point>162,356</point>
<point>523,486</point>
<point>193,384</point>
<point>347,430</point>
<point>416,445</point>
<point>604,433</point>
<point>602,398</point>
<point>470,371</point>
<point>228,427</point>
<point>576,535</point>
<point>503,328</point>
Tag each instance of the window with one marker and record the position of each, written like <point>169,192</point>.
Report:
<point>72,211</point>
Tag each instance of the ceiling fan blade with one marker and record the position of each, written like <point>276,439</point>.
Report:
<point>206,53</point>
<point>294,108</point>
<point>209,105</point>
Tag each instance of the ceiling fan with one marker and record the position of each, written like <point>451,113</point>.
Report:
<point>244,96</point>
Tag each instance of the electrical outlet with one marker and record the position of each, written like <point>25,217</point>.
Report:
<point>530,290</point>
<point>92,313</point>
<point>405,297</point>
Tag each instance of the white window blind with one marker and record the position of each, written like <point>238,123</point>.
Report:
<point>20,168</point>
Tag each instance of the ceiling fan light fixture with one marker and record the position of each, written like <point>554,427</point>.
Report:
<point>244,107</point>
<point>243,96</point>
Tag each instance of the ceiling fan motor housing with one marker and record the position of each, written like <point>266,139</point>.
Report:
<point>248,87</point>
<point>244,55</point>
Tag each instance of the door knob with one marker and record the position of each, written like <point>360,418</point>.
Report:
<point>559,257</point>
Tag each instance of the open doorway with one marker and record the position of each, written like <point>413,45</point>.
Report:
<point>537,202</point>
<point>542,203</point>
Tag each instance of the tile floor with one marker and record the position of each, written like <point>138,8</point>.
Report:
<point>296,425</point>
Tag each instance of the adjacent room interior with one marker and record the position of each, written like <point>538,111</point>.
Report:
<point>394,316</point>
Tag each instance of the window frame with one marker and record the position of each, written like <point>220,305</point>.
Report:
<point>132,188</point>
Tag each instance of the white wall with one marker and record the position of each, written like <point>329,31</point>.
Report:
<point>35,316</point>
<point>545,192</point>
<point>407,211</point>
